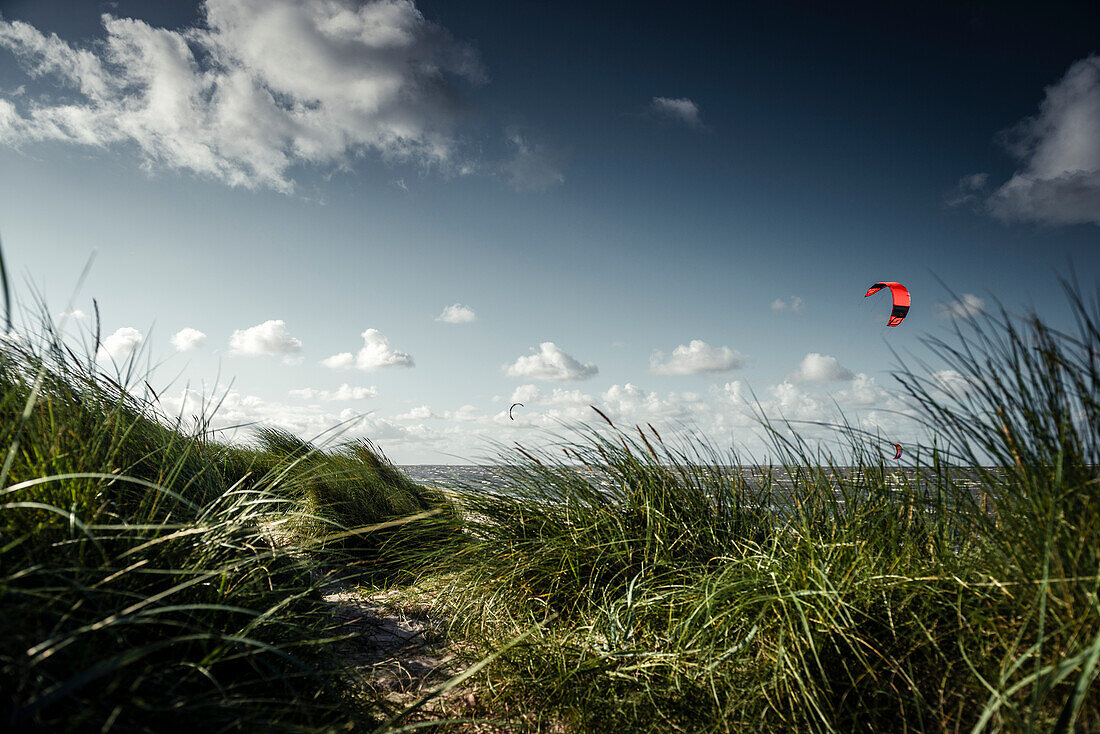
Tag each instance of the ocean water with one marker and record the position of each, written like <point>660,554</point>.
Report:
<point>454,476</point>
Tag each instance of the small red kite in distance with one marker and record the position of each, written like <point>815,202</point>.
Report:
<point>898,454</point>
<point>901,300</point>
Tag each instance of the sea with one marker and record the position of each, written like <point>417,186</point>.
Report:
<point>472,476</point>
<point>454,476</point>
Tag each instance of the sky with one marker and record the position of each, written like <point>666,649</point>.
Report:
<point>400,218</point>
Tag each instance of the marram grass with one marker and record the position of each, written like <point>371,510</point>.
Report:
<point>672,594</point>
<point>154,579</point>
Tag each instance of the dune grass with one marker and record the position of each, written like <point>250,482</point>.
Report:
<point>153,578</point>
<point>672,594</point>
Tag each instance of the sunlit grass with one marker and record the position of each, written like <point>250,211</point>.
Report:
<point>153,578</point>
<point>674,595</point>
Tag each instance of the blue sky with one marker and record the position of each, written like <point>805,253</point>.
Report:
<point>651,211</point>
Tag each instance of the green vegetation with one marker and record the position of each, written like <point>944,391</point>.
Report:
<point>150,575</point>
<point>677,597</point>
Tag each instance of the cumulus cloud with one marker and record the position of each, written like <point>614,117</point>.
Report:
<point>237,416</point>
<point>1058,181</point>
<point>465,414</point>
<point>794,304</point>
<point>525,394</point>
<point>821,368</point>
<point>695,358</point>
<point>76,315</point>
<point>532,166</point>
<point>341,361</point>
<point>951,382</point>
<point>965,307</point>
<point>457,314</point>
<point>950,385</point>
<point>187,339</point>
<point>270,337</point>
<point>720,414</point>
<point>375,353</point>
<point>121,345</point>
<point>259,87</point>
<point>343,393</point>
<point>868,405</point>
<point>680,109</point>
<point>419,413</point>
<point>551,364</point>
<point>624,404</point>
<point>628,403</point>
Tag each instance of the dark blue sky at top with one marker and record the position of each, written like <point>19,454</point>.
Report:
<point>862,111</point>
<point>852,117</point>
<point>825,123</point>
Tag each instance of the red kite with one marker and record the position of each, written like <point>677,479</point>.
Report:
<point>901,300</point>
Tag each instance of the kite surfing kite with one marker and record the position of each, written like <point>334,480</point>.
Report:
<point>901,300</point>
<point>898,454</point>
<point>510,409</point>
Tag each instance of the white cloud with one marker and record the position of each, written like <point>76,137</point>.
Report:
<point>630,404</point>
<point>270,337</point>
<point>76,315</point>
<point>794,304</point>
<point>422,435</point>
<point>341,361</point>
<point>343,393</point>
<point>243,413</point>
<point>551,364</point>
<point>533,166</point>
<point>375,353</point>
<point>187,339</point>
<point>951,383</point>
<point>822,368</point>
<point>625,404</point>
<point>677,108</point>
<point>864,403</point>
<point>457,314</point>
<point>259,87</point>
<point>1059,149</point>
<point>525,394</point>
<point>695,358</point>
<point>738,391</point>
<point>120,345</point>
<point>465,414</point>
<point>419,413</point>
<point>964,308</point>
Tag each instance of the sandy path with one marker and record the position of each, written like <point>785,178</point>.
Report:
<point>397,646</point>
